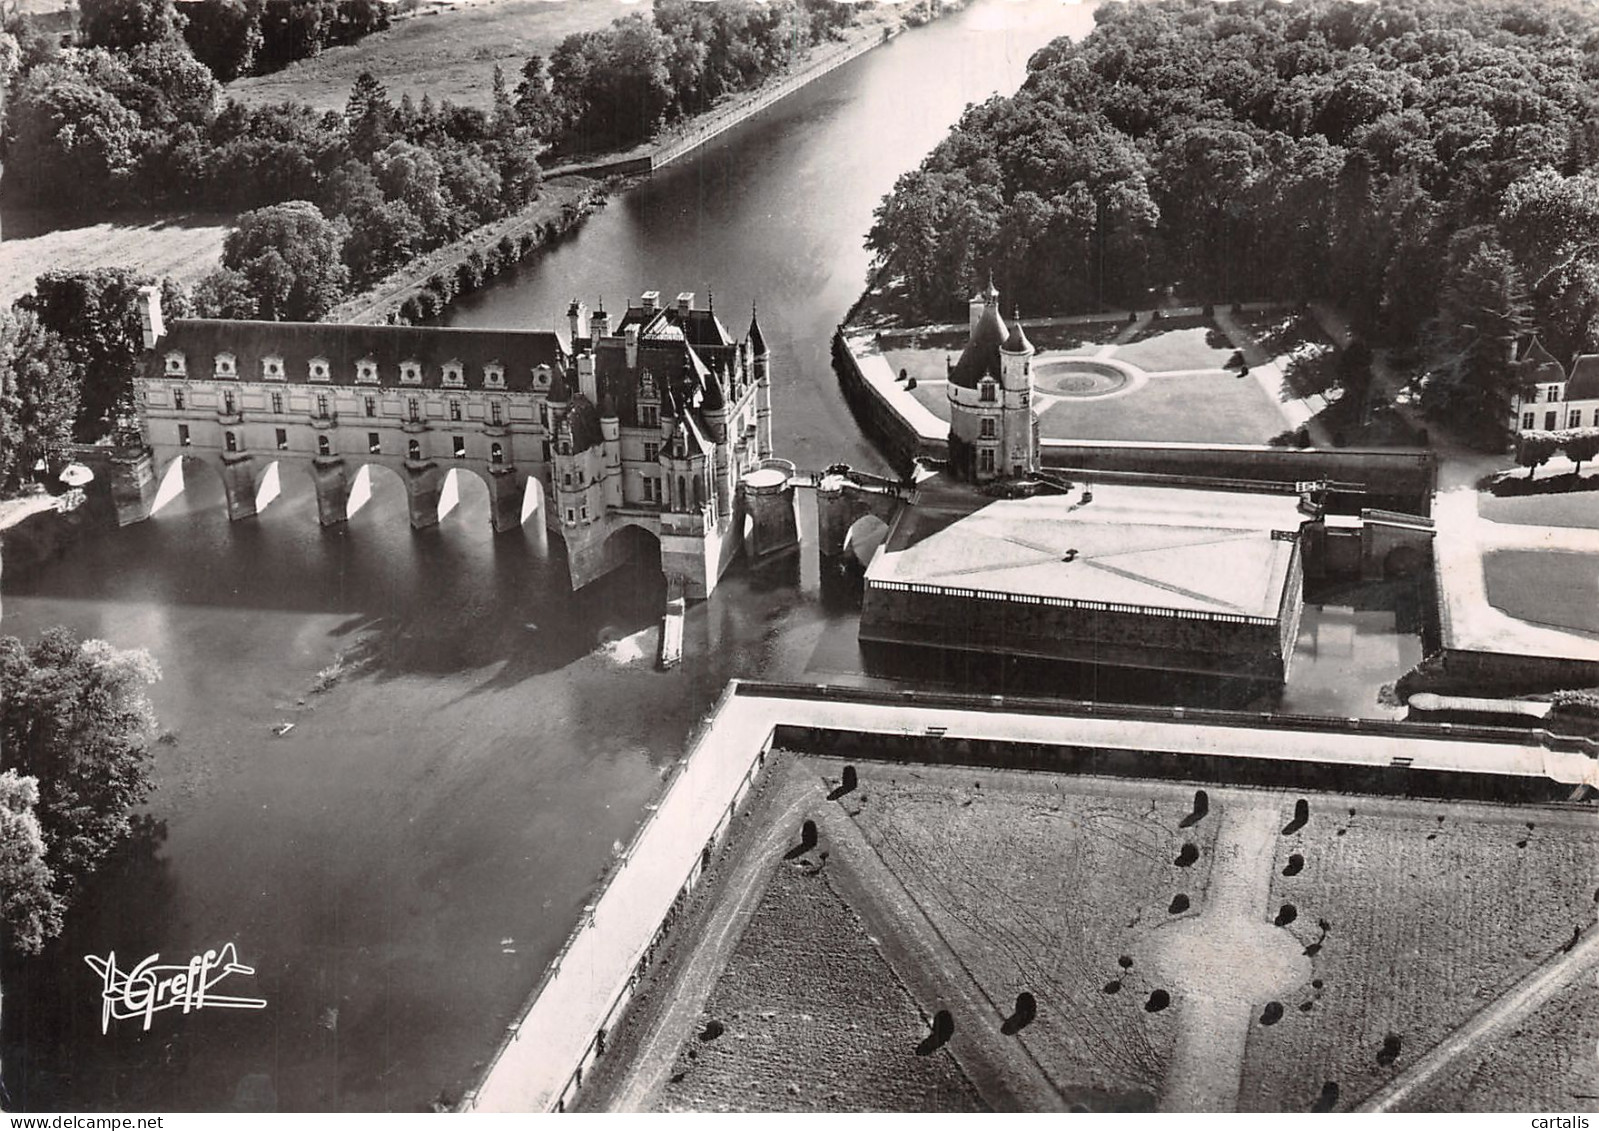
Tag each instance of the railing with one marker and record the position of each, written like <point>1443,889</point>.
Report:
<point>1065,602</point>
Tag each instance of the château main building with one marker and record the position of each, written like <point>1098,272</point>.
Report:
<point>649,422</point>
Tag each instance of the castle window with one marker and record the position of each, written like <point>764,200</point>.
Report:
<point>177,365</point>
<point>178,399</point>
<point>1554,393</point>
<point>453,375</point>
<point>987,431</point>
<point>1574,420</point>
<point>646,385</point>
<point>544,452</point>
<point>649,416</point>
<point>413,450</point>
<point>580,477</point>
<point>566,446</point>
<point>411,373</point>
<point>371,405</point>
<point>230,441</point>
<point>374,443</point>
<point>277,402</point>
<point>678,447</point>
<point>986,392</point>
<point>1526,419</point>
<point>224,363</point>
<point>272,368</point>
<point>682,493</point>
<point>1532,395</point>
<point>458,446</point>
<point>494,375</point>
<point>323,446</point>
<point>652,451</point>
<point>319,368</point>
<point>585,510</point>
<point>571,515</point>
<point>183,436</point>
<point>566,479</point>
<point>366,370</point>
<point>986,459</point>
<point>544,415</point>
<point>413,410</point>
<point>496,412</point>
<point>229,405</point>
<point>455,410</point>
<point>282,439</point>
<point>322,404</point>
<point>496,453</point>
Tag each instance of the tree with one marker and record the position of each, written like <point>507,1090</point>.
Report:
<point>225,35</point>
<point>292,257</point>
<point>39,391</point>
<point>369,115</point>
<point>1485,304</point>
<point>30,910</point>
<point>1533,450</point>
<point>224,293</point>
<point>1582,446</point>
<point>73,716</point>
<point>123,25</point>
<point>71,144</point>
<point>95,314</point>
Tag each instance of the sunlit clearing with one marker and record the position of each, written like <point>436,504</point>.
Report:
<point>360,491</point>
<point>171,485</point>
<point>269,489</point>
<point>450,494</point>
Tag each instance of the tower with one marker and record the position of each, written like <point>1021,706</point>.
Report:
<point>761,363</point>
<point>1019,423</point>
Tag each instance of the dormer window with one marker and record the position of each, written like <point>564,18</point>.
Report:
<point>318,368</point>
<point>272,368</point>
<point>454,375</point>
<point>225,365</point>
<point>541,377</point>
<point>410,373</point>
<point>494,375</point>
<point>366,371</point>
<point>985,392</point>
<point>177,365</point>
<point>1554,394</point>
<point>646,386</point>
<point>649,416</point>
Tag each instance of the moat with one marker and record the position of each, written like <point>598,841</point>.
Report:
<point>401,865</point>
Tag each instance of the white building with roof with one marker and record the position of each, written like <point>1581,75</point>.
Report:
<point>1548,396</point>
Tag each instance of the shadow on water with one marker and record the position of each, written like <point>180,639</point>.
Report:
<point>51,1021</point>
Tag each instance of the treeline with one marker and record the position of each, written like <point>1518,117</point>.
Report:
<point>613,88</point>
<point>234,38</point>
<point>1534,449</point>
<point>1427,164</point>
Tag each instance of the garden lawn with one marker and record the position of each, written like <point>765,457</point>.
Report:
<point>1574,508</point>
<point>182,247</point>
<point>1046,885</point>
<point>1548,587</point>
<point>1220,408</point>
<point>1163,347</point>
<point>1432,911</point>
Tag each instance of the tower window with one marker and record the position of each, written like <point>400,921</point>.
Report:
<point>986,392</point>
<point>649,416</point>
<point>987,431</point>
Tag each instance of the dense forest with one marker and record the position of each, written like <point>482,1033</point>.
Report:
<point>1427,164</point>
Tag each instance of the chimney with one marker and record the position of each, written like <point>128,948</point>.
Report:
<point>650,301</point>
<point>600,324</point>
<point>577,316</point>
<point>586,384</point>
<point>150,316</point>
<point>632,346</point>
<point>685,303</point>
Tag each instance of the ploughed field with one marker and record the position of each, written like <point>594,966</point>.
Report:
<point>1178,948</point>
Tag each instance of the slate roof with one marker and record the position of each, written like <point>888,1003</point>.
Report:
<point>1537,366</point>
<point>343,345</point>
<point>980,358</point>
<point>1584,382</point>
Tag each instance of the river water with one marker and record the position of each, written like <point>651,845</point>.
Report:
<point>400,866</point>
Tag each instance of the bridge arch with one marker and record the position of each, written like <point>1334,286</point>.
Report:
<point>236,473</point>
<point>863,538</point>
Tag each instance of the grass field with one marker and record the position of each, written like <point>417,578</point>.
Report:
<point>450,55</point>
<point>1045,885</point>
<point>1574,508</point>
<point>1181,344</point>
<point>1216,407</point>
<point>1424,913</point>
<point>807,1016</point>
<point>1545,587</point>
<point>183,247</point>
